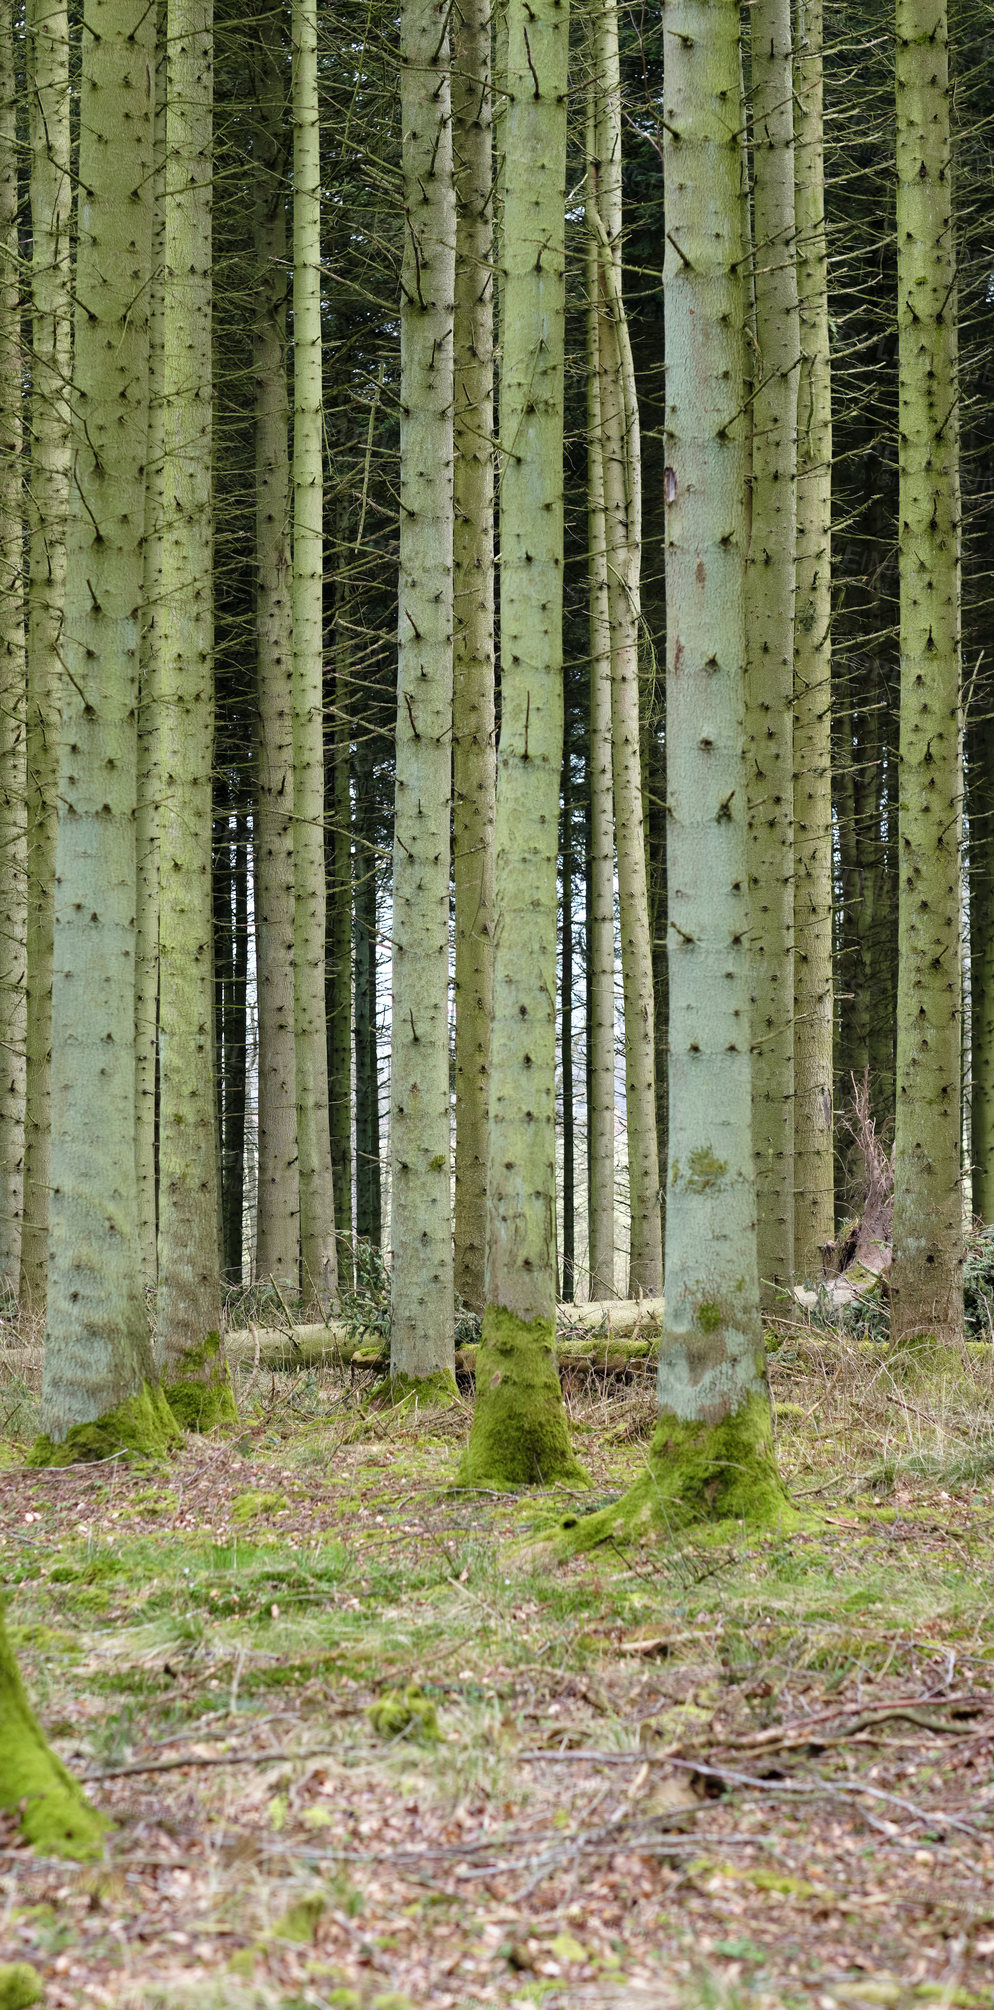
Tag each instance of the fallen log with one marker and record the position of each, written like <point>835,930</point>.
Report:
<point>626,1328</point>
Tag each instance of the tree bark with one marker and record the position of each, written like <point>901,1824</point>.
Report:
<point>520,1432</point>
<point>189,1297</point>
<point>278,1219</point>
<point>51,204</point>
<point>422,1318</point>
<point>770,586</point>
<point>927,1273</point>
<point>13,773</point>
<point>473,728</point>
<point>814,1170</point>
<point>98,1350</point>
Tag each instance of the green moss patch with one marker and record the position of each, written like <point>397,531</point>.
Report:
<point>20,1985</point>
<point>405,1713</point>
<point>407,1393</point>
<point>520,1435</point>
<point>53,1814</point>
<point>201,1396</point>
<point>697,1473</point>
<point>143,1426</point>
<point>249,1506</point>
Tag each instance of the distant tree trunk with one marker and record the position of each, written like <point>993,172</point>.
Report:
<point>232,891</point>
<point>520,1432</point>
<point>927,1274</point>
<point>981,799</point>
<point>278,1223</point>
<point>623,501</point>
<point>98,1350</point>
<point>600,924</point>
<point>770,640</point>
<point>568,1291</point>
<point>814,1173</point>
<point>421,1321</point>
<point>338,845</point>
<point>473,731</point>
<point>319,1267</point>
<point>369,1225</point>
<point>13,775</point>
<point>51,325</point>
<point>189,1297</point>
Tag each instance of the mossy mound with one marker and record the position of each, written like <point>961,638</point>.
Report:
<point>20,1985</point>
<point>201,1397</point>
<point>144,1427</point>
<point>54,1815</point>
<point>405,1713</point>
<point>697,1474</point>
<point>249,1506</point>
<point>520,1435</point>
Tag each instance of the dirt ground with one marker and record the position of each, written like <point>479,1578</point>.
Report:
<point>362,1745</point>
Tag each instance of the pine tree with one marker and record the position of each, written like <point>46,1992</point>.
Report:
<point>13,845</point>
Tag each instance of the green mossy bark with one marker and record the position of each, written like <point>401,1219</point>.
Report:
<point>54,1815</point>
<point>520,1434</point>
<point>422,1393</point>
<point>20,1985</point>
<point>202,1396</point>
<point>697,1473</point>
<point>144,1425</point>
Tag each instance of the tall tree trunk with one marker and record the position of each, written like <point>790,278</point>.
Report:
<point>232,881</point>
<point>317,1202</point>
<point>51,203</point>
<point>368,1221</point>
<point>814,1206</point>
<point>711,1456</point>
<point>278,1219</point>
<point>339,941</point>
<point>568,1291</point>
<point>189,1298</point>
<point>98,1351</point>
<point>770,640</point>
<point>473,732</point>
<point>421,1322</point>
<point>600,921</point>
<point>623,505</point>
<point>981,775</point>
<point>149,727</point>
<point>13,776</point>
<point>520,1432</point>
<point>927,1275</point>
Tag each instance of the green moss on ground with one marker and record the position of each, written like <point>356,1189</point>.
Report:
<point>520,1435</point>
<point>401,1713</point>
<point>247,1506</point>
<point>696,1474</point>
<point>201,1397</point>
<point>144,1426</point>
<point>20,1985</point>
<point>54,1815</point>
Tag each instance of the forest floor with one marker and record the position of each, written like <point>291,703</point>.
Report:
<point>360,1748</point>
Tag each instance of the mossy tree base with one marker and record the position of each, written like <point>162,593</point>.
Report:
<point>430,1392</point>
<point>20,1985</point>
<point>520,1435</point>
<point>54,1815</point>
<point>201,1397</point>
<point>144,1426</point>
<point>697,1474</point>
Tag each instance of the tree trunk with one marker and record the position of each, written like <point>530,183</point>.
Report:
<point>927,1274</point>
<point>369,1227</point>
<point>147,861</point>
<point>600,921</point>
<point>981,773</point>
<point>568,1291</point>
<point>13,777</point>
<point>319,1267</point>
<point>51,203</point>
<point>473,731</point>
<point>189,1298</point>
<point>711,1457</point>
<point>278,1219</point>
<point>623,508</point>
<point>814,1171</point>
<point>98,1351</point>
<point>770,586</point>
<point>421,1321</point>
<point>339,940</point>
<point>520,1432</point>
